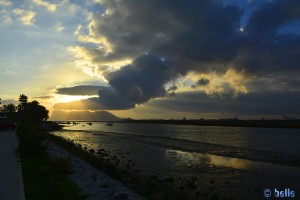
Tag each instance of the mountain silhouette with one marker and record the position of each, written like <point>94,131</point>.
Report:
<point>59,115</point>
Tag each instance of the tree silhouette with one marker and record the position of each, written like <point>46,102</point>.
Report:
<point>23,99</point>
<point>43,113</point>
<point>0,107</point>
<point>26,111</point>
<point>31,111</point>
<point>36,111</point>
<point>9,110</point>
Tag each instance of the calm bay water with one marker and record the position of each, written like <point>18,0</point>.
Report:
<point>227,160</point>
<point>270,139</point>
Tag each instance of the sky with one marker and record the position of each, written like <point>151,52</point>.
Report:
<point>153,59</point>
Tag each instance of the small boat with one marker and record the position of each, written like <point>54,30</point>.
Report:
<point>109,124</point>
<point>90,123</point>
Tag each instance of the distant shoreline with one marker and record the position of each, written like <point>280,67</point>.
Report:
<point>295,124</point>
<point>230,123</point>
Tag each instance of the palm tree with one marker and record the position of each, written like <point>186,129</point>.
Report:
<point>23,99</point>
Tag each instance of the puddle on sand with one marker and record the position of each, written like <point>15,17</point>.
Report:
<point>197,159</point>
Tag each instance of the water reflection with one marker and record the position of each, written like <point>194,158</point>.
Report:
<point>279,140</point>
<point>162,164</point>
<point>198,160</point>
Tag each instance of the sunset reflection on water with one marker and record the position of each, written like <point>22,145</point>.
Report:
<point>193,159</point>
<point>197,159</point>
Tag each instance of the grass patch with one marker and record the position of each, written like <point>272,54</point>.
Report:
<point>44,179</point>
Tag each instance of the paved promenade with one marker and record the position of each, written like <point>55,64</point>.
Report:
<point>11,182</point>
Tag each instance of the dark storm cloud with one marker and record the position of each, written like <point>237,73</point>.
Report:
<point>43,97</point>
<point>201,82</point>
<point>137,83</point>
<point>188,32</point>
<point>172,88</point>
<point>192,35</point>
<point>276,82</point>
<point>132,29</point>
<point>79,90</point>
<point>283,102</point>
<point>251,104</point>
<point>263,48</point>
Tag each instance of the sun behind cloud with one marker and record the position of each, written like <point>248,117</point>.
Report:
<point>70,98</point>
